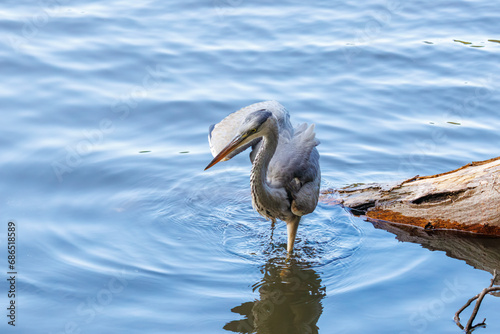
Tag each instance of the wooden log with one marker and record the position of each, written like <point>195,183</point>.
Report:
<point>466,199</point>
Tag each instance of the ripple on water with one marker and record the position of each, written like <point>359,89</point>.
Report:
<point>220,205</point>
<point>330,241</point>
<point>328,235</point>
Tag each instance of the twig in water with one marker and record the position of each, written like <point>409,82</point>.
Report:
<point>479,298</point>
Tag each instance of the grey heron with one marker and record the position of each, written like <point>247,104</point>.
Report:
<point>285,176</point>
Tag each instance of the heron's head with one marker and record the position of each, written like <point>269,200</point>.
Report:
<point>254,126</point>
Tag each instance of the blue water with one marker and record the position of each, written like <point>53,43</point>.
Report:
<point>105,111</point>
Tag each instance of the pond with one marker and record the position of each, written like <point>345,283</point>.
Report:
<point>105,116</point>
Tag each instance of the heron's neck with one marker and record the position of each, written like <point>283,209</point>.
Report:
<point>258,180</point>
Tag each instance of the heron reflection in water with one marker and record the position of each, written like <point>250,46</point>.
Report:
<point>285,177</point>
<point>290,302</point>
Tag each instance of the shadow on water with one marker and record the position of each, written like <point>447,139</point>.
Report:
<point>290,301</point>
<point>479,251</point>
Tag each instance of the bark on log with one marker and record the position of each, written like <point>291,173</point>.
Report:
<point>466,199</point>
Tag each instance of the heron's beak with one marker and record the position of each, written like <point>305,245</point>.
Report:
<point>234,144</point>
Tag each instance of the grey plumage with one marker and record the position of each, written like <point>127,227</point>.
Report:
<point>285,177</point>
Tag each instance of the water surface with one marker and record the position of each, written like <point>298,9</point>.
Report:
<point>105,112</point>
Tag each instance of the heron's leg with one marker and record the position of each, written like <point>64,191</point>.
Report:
<point>291,227</point>
<point>273,225</point>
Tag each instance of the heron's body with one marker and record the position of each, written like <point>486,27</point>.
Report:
<point>285,177</point>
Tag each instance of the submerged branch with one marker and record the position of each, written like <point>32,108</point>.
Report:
<point>480,296</point>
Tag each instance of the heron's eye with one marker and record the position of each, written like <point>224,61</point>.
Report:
<point>253,130</point>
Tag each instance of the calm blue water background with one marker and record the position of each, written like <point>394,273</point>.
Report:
<point>105,110</point>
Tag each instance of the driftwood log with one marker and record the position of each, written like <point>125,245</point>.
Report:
<point>466,199</point>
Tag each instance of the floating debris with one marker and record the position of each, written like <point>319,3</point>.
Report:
<point>144,151</point>
<point>427,42</point>
<point>454,123</point>
<point>494,40</point>
<point>463,42</point>
<point>477,46</point>
<point>184,152</point>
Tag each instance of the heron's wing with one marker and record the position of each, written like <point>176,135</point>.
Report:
<point>295,167</point>
<point>220,134</point>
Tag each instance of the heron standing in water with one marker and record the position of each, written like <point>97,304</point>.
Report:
<point>285,177</point>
